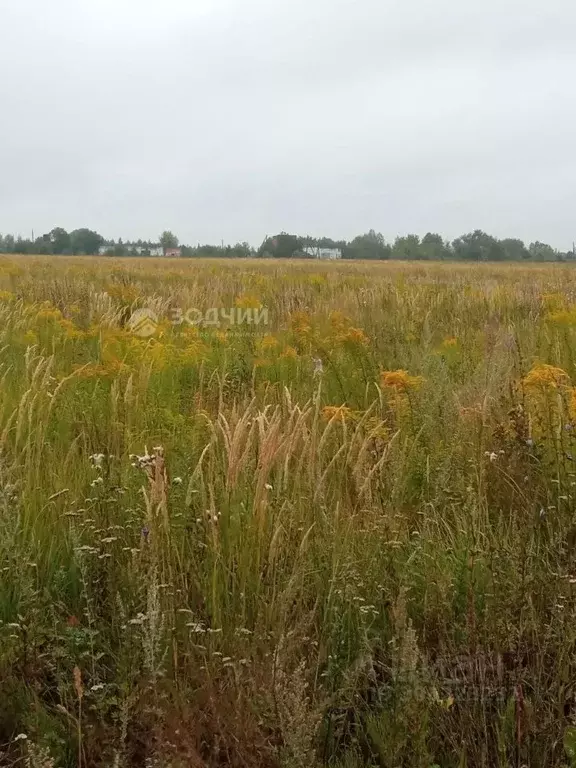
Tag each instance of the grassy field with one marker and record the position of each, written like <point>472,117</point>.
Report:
<point>343,535</point>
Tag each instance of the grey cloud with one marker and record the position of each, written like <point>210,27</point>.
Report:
<point>225,119</point>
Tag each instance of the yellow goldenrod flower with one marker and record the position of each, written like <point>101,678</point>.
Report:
<point>125,294</point>
<point>355,336</point>
<point>70,330</point>
<point>269,342</point>
<point>565,317</point>
<point>48,312</point>
<point>338,320</point>
<point>330,412</point>
<point>248,301</point>
<point>553,302</point>
<point>400,380</point>
<point>193,352</point>
<point>301,324</point>
<point>546,377</point>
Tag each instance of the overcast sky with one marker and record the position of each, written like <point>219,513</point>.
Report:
<point>233,119</point>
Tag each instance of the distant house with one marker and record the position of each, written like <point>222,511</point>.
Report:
<point>129,249</point>
<point>173,253</point>
<point>145,250</point>
<point>323,253</point>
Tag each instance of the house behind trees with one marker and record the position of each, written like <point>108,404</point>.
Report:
<point>323,253</point>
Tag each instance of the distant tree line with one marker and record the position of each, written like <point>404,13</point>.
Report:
<point>58,241</point>
<point>86,242</point>
<point>475,246</point>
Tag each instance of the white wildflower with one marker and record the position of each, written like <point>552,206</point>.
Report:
<point>97,460</point>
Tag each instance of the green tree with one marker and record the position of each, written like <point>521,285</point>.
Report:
<point>239,251</point>
<point>207,251</point>
<point>23,245</point>
<point>43,245</point>
<point>514,249</point>
<point>321,242</point>
<point>542,252</point>
<point>281,246</point>
<point>434,248</point>
<point>60,239</point>
<point>407,248</point>
<point>85,241</point>
<point>118,249</point>
<point>478,246</point>
<point>369,246</point>
<point>168,240</point>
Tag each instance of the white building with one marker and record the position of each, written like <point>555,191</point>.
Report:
<point>134,250</point>
<point>324,253</point>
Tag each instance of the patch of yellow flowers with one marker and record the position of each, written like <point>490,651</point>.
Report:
<point>543,377</point>
<point>400,381</point>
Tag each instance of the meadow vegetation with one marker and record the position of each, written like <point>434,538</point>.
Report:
<point>343,537</point>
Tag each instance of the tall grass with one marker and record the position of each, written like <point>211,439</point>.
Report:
<point>345,537</point>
